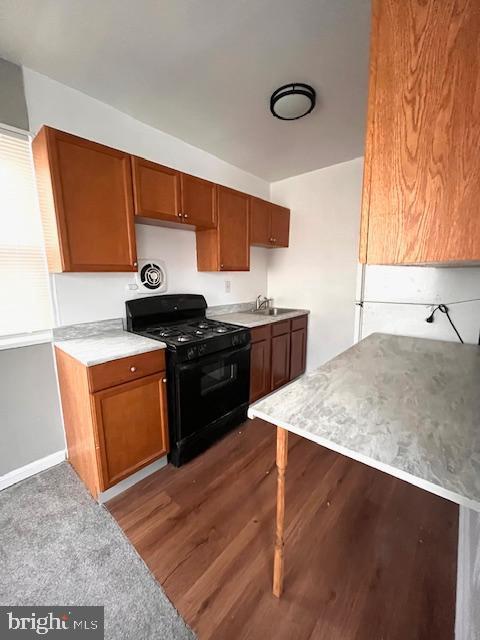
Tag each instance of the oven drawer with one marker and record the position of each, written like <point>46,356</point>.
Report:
<point>109,374</point>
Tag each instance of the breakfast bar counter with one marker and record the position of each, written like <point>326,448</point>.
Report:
<point>409,407</point>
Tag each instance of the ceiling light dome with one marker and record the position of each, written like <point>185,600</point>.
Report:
<point>292,101</point>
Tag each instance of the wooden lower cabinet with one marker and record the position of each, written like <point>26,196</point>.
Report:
<point>260,355</point>
<point>131,424</point>
<point>280,373</point>
<point>298,347</point>
<point>114,431</point>
<point>278,355</point>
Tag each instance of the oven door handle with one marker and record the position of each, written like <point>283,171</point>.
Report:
<point>213,357</point>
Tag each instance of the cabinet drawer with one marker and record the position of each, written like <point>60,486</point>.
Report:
<point>110,374</point>
<point>279,328</point>
<point>260,333</point>
<point>299,323</point>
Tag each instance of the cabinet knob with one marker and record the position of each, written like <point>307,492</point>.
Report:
<point>271,239</point>
<point>185,215</point>
<point>135,264</point>
<point>221,266</point>
<point>133,369</point>
<point>179,214</point>
<point>164,379</point>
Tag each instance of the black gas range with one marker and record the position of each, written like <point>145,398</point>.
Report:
<point>208,369</point>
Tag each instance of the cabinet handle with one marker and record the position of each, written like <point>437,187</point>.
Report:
<point>133,369</point>
<point>164,380</point>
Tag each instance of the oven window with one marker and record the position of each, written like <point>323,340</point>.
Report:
<point>217,375</point>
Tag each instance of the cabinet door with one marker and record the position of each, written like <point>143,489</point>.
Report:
<point>260,222</point>
<point>156,191</point>
<point>280,225</point>
<point>422,161</point>
<point>198,202</point>
<point>131,421</point>
<point>233,230</point>
<point>259,369</point>
<point>298,353</point>
<point>85,192</point>
<point>280,373</point>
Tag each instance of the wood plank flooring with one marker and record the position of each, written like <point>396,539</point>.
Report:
<point>368,557</point>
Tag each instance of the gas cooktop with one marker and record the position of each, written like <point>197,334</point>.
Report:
<point>195,331</point>
<point>180,321</point>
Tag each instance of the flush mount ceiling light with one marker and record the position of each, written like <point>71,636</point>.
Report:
<point>292,101</point>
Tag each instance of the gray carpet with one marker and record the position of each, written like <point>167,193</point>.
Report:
<point>59,547</point>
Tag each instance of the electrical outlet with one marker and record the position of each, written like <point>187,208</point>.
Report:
<point>228,286</point>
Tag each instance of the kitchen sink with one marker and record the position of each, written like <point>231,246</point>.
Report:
<point>272,311</point>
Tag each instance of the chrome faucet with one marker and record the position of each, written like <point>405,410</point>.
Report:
<point>262,302</point>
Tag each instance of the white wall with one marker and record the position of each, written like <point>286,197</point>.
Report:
<point>87,297</point>
<point>31,425</point>
<point>398,299</point>
<point>318,270</point>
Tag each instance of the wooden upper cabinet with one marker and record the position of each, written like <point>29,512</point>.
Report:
<point>260,214</point>
<point>156,191</point>
<point>226,248</point>
<point>280,225</point>
<point>422,160</point>
<point>85,193</point>
<point>269,224</point>
<point>198,202</point>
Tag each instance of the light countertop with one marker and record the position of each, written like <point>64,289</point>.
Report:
<point>95,343</point>
<point>407,406</point>
<point>251,320</point>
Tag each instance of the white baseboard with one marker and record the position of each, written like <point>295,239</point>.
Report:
<point>123,485</point>
<point>12,477</point>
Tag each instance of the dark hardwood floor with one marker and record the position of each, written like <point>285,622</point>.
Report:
<point>368,557</point>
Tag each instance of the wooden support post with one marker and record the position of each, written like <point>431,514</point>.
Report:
<point>282,455</point>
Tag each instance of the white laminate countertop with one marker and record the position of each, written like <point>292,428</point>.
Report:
<point>95,343</point>
<point>407,406</point>
<point>251,320</point>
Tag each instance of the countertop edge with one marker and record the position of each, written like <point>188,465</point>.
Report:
<point>91,362</point>
<point>426,485</point>
<point>260,321</point>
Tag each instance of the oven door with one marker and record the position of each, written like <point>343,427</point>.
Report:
<point>209,388</point>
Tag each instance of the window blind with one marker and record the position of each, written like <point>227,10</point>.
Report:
<point>24,296</point>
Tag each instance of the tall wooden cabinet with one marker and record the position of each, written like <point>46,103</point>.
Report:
<point>86,202</point>
<point>422,161</point>
<point>115,416</point>
<point>227,247</point>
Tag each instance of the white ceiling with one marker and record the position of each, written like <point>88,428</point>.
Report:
<point>203,70</point>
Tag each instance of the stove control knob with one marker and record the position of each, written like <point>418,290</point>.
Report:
<point>191,353</point>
